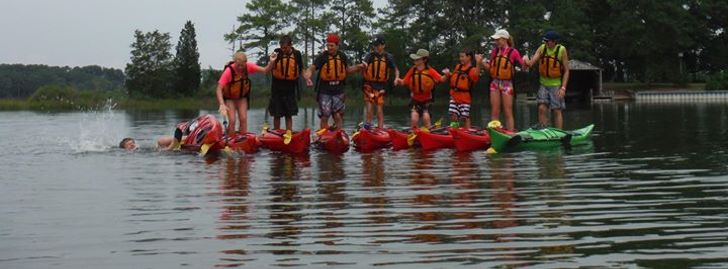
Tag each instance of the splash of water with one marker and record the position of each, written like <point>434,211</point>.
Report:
<point>98,130</point>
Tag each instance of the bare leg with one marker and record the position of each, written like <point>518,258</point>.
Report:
<point>380,116</point>
<point>558,119</point>
<point>230,104</point>
<point>415,119</point>
<point>289,123</point>
<point>495,105</point>
<point>467,123</point>
<point>324,122</point>
<point>243,115</point>
<point>276,123</point>
<point>426,118</point>
<point>543,111</point>
<point>508,111</point>
<point>369,114</point>
<point>339,120</point>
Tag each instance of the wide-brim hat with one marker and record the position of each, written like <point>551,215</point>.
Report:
<point>502,33</point>
<point>421,53</point>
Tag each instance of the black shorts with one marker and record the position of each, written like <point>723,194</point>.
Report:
<point>283,102</point>
<point>420,107</point>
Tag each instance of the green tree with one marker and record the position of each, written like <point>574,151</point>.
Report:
<point>353,19</point>
<point>187,62</point>
<point>149,72</point>
<point>311,23</point>
<point>260,26</point>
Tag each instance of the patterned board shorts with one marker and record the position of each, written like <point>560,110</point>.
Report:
<point>504,86</point>
<point>330,104</point>
<point>461,110</point>
<point>373,95</point>
<point>550,96</point>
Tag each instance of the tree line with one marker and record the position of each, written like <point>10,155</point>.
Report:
<point>19,81</point>
<point>632,40</point>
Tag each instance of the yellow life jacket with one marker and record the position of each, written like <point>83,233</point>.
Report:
<point>460,79</point>
<point>377,69</point>
<point>239,86</point>
<point>501,66</point>
<point>286,67</point>
<point>550,65</point>
<point>334,69</point>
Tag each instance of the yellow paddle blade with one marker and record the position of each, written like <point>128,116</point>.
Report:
<point>204,149</point>
<point>287,137</point>
<point>411,139</point>
<point>265,127</point>
<point>353,136</point>
<point>438,124</point>
<point>494,124</point>
<point>320,132</point>
<point>227,150</point>
<point>491,151</point>
<point>423,129</point>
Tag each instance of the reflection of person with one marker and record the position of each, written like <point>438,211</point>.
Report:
<point>378,67</point>
<point>128,143</point>
<point>233,89</point>
<point>553,69</point>
<point>502,70</point>
<point>462,80</point>
<point>333,67</point>
<point>421,80</point>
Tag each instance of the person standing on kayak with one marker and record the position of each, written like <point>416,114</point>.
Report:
<point>378,66</point>
<point>284,87</point>
<point>501,66</point>
<point>233,89</point>
<point>333,67</point>
<point>462,81</point>
<point>553,70</point>
<point>421,80</point>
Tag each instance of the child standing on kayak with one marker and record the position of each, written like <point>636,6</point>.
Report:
<point>378,66</point>
<point>421,80</point>
<point>553,70</point>
<point>462,81</point>
<point>501,66</point>
<point>286,71</point>
<point>233,89</point>
<point>333,67</point>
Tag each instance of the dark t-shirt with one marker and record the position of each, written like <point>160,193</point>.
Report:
<point>330,88</point>
<point>288,84</point>
<point>390,63</point>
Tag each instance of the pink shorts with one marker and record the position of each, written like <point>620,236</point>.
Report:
<point>504,86</point>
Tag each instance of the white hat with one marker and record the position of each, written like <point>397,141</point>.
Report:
<point>421,53</point>
<point>502,33</point>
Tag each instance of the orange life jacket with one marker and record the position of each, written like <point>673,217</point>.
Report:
<point>239,86</point>
<point>460,79</point>
<point>377,69</point>
<point>550,66</point>
<point>501,66</point>
<point>421,84</point>
<point>334,69</point>
<point>286,67</point>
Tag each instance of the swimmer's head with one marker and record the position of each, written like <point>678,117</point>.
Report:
<point>128,143</point>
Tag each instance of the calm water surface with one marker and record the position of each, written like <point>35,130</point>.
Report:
<point>649,192</point>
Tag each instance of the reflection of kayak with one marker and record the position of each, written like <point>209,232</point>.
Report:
<point>369,140</point>
<point>204,131</point>
<point>532,139</point>
<point>244,142</point>
<point>435,139</point>
<point>399,139</point>
<point>274,140</point>
<point>470,139</point>
<point>334,141</point>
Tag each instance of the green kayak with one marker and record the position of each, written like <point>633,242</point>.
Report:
<point>535,139</point>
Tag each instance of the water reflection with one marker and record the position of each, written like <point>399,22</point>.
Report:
<point>331,197</point>
<point>285,202</point>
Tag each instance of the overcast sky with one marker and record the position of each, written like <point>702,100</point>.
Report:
<point>99,32</point>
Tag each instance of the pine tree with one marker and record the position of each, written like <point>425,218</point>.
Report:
<point>187,62</point>
<point>260,27</point>
<point>149,72</point>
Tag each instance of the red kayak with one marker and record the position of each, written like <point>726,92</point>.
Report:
<point>399,139</point>
<point>435,139</point>
<point>205,131</point>
<point>243,142</point>
<point>470,139</point>
<point>370,140</point>
<point>333,140</point>
<point>274,140</point>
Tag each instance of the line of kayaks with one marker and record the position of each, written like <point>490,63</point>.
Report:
<point>208,137</point>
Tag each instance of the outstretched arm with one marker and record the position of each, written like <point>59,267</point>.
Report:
<point>565,78</point>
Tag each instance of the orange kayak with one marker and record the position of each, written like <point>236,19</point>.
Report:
<point>243,142</point>
<point>370,140</point>
<point>435,139</point>
<point>470,139</point>
<point>274,140</point>
<point>334,141</point>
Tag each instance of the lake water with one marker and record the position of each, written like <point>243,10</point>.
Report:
<point>648,192</point>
